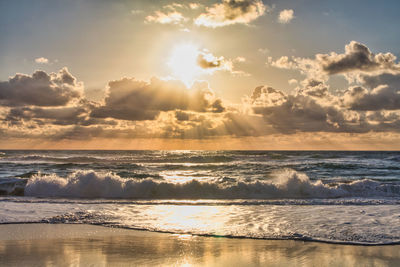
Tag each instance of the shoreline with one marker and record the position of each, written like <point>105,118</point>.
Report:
<point>305,239</point>
<point>83,244</point>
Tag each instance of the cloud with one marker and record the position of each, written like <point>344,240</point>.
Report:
<point>167,109</point>
<point>136,11</point>
<point>263,96</point>
<point>187,61</point>
<point>173,17</point>
<point>312,108</point>
<point>60,116</point>
<point>282,63</point>
<point>194,5</point>
<point>64,115</point>
<point>42,60</point>
<point>182,116</point>
<point>40,89</point>
<point>370,103</point>
<point>286,16</point>
<point>174,6</point>
<point>52,106</point>
<point>356,61</point>
<point>130,99</point>
<point>303,112</point>
<point>240,59</point>
<point>208,61</point>
<point>263,50</point>
<point>379,98</point>
<point>231,12</point>
<point>357,57</point>
<point>374,78</point>
<point>314,87</point>
<point>306,66</point>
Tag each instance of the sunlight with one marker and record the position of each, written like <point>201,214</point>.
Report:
<point>190,218</point>
<point>183,62</point>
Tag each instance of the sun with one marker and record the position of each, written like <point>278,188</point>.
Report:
<point>183,62</point>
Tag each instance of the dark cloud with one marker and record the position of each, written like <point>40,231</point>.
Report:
<point>75,115</point>
<point>40,89</point>
<point>314,87</point>
<point>182,116</point>
<point>217,106</point>
<point>302,112</point>
<point>130,99</point>
<point>357,57</point>
<point>207,62</point>
<point>376,91</point>
<point>374,80</point>
<point>313,109</point>
<point>357,60</point>
<point>51,106</point>
<point>63,115</point>
<point>381,97</point>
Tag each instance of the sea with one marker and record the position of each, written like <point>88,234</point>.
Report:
<point>345,197</point>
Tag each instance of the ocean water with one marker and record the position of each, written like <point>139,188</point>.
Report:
<point>330,196</point>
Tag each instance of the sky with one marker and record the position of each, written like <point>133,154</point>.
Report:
<point>227,74</point>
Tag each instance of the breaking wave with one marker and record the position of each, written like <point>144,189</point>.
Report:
<point>288,184</point>
<point>37,158</point>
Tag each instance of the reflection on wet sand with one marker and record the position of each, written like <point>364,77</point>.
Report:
<point>83,245</point>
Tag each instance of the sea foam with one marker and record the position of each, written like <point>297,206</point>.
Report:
<point>288,184</point>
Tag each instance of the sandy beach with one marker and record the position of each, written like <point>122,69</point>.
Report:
<point>89,245</point>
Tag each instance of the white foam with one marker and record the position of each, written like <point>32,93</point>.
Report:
<point>288,184</point>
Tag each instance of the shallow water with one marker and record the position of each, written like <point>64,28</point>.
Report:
<point>82,245</point>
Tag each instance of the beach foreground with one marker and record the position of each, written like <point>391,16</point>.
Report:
<point>84,245</point>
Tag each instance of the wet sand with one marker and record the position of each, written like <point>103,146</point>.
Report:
<point>88,245</point>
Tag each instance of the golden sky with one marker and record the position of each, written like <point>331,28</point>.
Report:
<point>230,74</point>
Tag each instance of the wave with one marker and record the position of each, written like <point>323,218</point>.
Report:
<point>355,201</point>
<point>12,186</point>
<point>44,158</point>
<point>287,184</point>
<point>195,159</point>
<point>116,159</point>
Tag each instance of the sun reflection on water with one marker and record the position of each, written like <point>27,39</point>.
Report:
<point>190,219</point>
<point>182,176</point>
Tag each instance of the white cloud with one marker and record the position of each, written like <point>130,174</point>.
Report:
<point>286,15</point>
<point>282,63</point>
<point>231,12</point>
<point>240,59</point>
<point>136,11</point>
<point>263,50</point>
<point>194,5</point>
<point>173,17</point>
<point>42,60</point>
